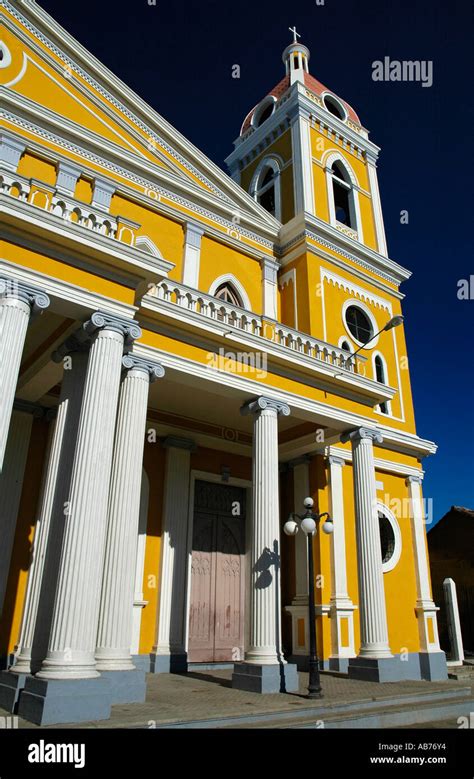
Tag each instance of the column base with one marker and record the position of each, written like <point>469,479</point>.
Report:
<point>142,662</point>
<point>169,664</point>
<point>386,669</point>
<point>280,677</point>
<point>11,686</point>
<point>339,664</point>
<point>55,701</point>
<point>125,686</point>
<point>433,666</point>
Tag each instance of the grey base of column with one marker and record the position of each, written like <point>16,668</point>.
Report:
<point>386,669</point>
<point>433,666</point>
<point>339,664</point>
<point>10,687</point>
<point>51,702</point>
<point>265,678</point>
<point>169,664</point>
<point>125,686</point>
<point>142,662</point>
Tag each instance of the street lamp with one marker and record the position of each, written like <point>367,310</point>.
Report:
<point>395,321</point>
<point>309,527</point>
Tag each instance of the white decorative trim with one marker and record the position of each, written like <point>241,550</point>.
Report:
<point>358,303</point>
<point>355,289</point>
<point>390,564</point>
<point>386,378</point>
<point>235,283</point>
<point>328,160</point>
<point>145,243</point>
<point>147,184</point>
<point>138,602</point>
<point>377,208</point>
<point>283,281</point>
<point>261,107</point>
<point>275,162</point>
<point>339,103</point>
<point>7,57</point>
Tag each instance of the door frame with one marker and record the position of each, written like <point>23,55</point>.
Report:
<point>216,478</point>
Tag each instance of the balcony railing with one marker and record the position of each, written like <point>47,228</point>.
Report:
<point>212,308</point>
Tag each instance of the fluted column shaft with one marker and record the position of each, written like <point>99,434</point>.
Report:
<point>76,610</point>
<point>373,615</point>
<point>17,301</point>
<point>265,617</point>
<point>115,620</point>
<point>50,525</point>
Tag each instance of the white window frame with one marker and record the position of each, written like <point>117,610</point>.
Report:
<point>386,382</point>
<point>354,204</point>
<point>390,564</point>
<point>356,302</point>
<point>239,288</point>
<point>276,164</point>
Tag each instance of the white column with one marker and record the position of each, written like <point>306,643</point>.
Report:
<point>265,621</point>
<point>17,302</point>
<point>373,615</point>
<point>114,636</point>
<point>342,608</point>
<point>302,163</point>
<point>454,623</point>
<point>425,607</point>
<point>11,485</point>
<point>269,287</point>
<point>170,643</point>
<point>42,576</point>
<point>376,206</point>
<point>76,609</point>
<point>192,254</point>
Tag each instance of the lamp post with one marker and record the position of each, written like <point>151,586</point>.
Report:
<point>395,321</point>
<point>309,527</point>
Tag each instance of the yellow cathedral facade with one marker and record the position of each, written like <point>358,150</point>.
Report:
<point>185,357</point>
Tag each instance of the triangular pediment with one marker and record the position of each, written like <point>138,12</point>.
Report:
<point>67,94</point>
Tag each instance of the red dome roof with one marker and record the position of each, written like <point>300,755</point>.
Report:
<point>313,84</point>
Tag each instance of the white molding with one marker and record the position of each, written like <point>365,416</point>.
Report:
<point>311,410</point>
<point>150,247</point>
<point>359,304</point>
<point>360,292</point>
<point>400,469</point>
<point>393,562</point>
<point>240,289</point>
<point>275,162</point>
<point>127,103</point>
<point>377,208</point>
<point>282,282</point>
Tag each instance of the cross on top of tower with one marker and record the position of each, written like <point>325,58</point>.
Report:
<point>296,35</point>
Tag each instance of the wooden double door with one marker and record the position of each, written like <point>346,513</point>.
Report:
<point>216,614</point>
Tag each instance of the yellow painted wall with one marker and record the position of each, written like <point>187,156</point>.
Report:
<point>216,259</point>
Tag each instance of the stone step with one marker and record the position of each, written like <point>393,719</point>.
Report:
<point>386,713</point>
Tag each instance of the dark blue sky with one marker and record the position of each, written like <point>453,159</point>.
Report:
<point>178,56</point>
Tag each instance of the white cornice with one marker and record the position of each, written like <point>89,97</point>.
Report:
<point>311,410</point>
<point>208,210</point>
<point>307,226</point>
<point>129,104</point>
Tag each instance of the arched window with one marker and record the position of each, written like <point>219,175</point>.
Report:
<point>380,376</point>
<point>343,196</point>
<point>266,190</point>
<point>265,187</point>
<point>390,538</point>
<point>227,293</point>
<point>345,346</point>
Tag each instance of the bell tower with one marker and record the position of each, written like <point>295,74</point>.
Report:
<point>303,154</point>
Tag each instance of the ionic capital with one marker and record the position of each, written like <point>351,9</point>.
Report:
<point>257,405</point>
<point>153,369</point>
<point>101,320</point>
<point>362,433</point>
<point>17,290</point>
